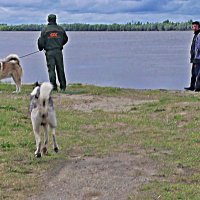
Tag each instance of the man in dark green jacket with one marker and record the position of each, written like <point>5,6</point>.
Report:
<point>52,39</point>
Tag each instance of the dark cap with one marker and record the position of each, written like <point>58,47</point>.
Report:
<point>196,22</point>
<point>51,18</point>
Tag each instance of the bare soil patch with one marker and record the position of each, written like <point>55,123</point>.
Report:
<point>88,103</point>
<point>112,177</point>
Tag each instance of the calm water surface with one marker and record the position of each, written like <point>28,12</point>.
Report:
<point>141,60</point>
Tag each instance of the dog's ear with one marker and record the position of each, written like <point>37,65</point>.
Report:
<point>37,84</point>
<point>35,93</point>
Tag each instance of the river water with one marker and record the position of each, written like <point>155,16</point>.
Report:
<point>140,60</point>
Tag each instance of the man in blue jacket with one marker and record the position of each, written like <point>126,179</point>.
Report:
<point>52,39</point>
<point>195,58</point>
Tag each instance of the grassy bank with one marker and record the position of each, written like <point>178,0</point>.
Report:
<point>163,125</point>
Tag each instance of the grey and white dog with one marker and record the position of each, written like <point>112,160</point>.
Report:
<point>43,114</point>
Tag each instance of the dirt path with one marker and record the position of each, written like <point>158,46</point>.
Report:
<point>108,178</point>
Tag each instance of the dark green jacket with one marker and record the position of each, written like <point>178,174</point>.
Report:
<point>52,36</point>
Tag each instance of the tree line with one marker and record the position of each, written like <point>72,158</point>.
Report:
<point>131,26</point>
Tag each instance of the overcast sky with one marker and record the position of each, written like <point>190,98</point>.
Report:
<point>98,11</point>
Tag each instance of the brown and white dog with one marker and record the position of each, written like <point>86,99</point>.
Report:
<point>43,114</point>
<point>10,67</point>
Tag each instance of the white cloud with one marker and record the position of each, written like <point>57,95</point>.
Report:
<point>98,11</point>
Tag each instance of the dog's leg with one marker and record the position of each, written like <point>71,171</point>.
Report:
<point>17,79</point>
<point>38,143</point>
<point>46,138</point>
<point>18,89</point>
<point>18,86</point>
<point>55,145</point>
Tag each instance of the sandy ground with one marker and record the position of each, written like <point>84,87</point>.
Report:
<point>108,178</point>
<point>88,103</point>
<point>113,177</point>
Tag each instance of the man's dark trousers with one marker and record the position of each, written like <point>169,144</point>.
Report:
<point>54,60</point>
<point>193,77</point>
<point>197,73</point>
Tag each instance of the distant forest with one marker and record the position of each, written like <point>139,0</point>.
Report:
<point>136,26</point>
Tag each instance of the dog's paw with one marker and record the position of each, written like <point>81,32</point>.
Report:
<point>15,92</point>
<point>44,150</point>
<point>38,155</point>
<point>56,149</point>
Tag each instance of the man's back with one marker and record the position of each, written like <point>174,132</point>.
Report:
<point>53,36</point>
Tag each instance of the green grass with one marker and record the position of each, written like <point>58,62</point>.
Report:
<point>167,128</point>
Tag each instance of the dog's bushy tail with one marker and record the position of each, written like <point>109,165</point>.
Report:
<point>45,91</point>
<point>13,58</point>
